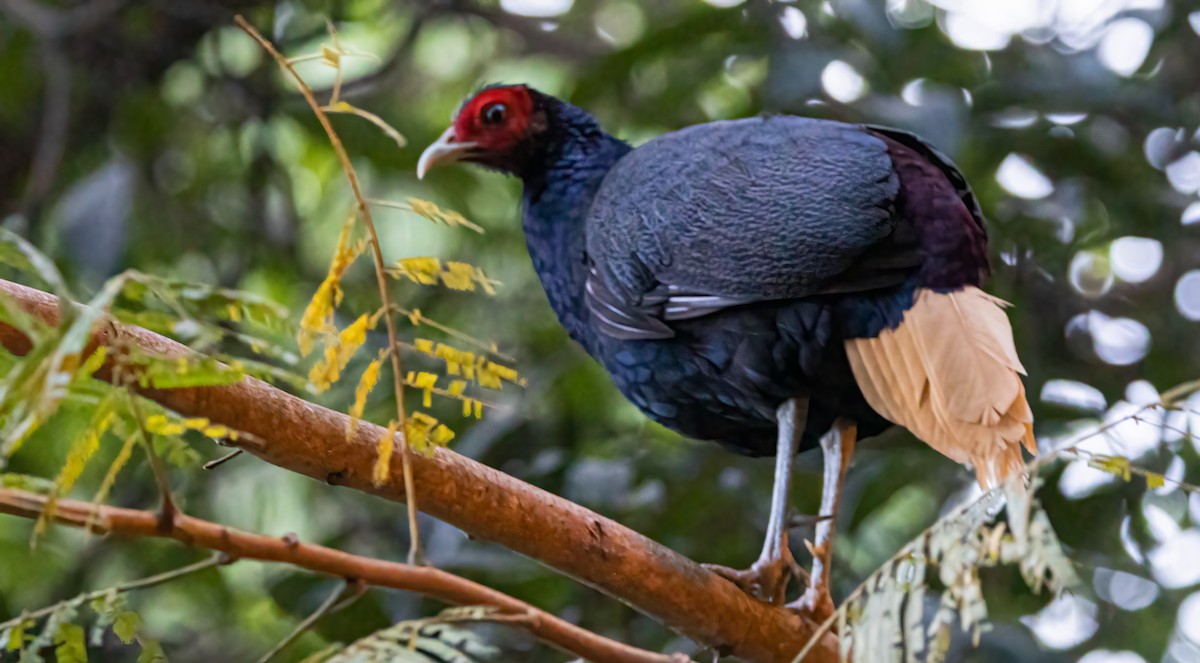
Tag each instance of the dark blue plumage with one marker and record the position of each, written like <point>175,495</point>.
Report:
<point>718,272</point>
<point>715,271</point>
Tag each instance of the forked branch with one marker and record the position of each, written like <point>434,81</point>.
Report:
<point>237,544</point>
<point>487,504</point>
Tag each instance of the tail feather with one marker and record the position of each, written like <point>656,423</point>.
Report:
<point>950,374</point>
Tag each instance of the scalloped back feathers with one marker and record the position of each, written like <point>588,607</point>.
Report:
<point>950,374</point>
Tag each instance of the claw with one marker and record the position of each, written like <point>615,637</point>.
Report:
<point>767,579</point>
<point>815,602</point>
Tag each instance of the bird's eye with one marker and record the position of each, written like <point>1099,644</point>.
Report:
<point>494,113</point>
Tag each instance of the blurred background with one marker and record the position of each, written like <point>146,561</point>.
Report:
<point>153,135</point>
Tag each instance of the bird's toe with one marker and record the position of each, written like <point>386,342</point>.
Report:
<point>765,580</point>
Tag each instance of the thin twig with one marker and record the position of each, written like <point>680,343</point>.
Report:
<point>223,459</point>
<point>415,555</point>
<point>425,580</point>
<point>327,606</point>
<point>418,318</point>
<point>167,511</point>
<point>167,576</point>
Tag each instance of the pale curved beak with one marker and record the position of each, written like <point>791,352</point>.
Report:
<point>446,149</point>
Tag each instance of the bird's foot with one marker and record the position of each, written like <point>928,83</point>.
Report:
<point>815,603</point>
<point>766,580</point>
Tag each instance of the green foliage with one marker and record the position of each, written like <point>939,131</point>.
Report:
<point>185,158</point>
<point>418,641</point>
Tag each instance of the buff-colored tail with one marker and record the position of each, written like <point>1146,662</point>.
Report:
<point>950,374</point>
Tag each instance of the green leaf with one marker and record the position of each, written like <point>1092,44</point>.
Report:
<point>19,254</point>
<point>152,651</point>
<point>69,644</point>
<point>1118,465</point>
<point>26,482</point>
<point>176,452</point>
<point>107,608</point>
<point>126,626</point>
<point>177,372</point>
<point>36,386</point>
<point>419,641</point>
<point>14,638</point>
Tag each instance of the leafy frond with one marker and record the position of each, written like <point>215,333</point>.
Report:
<point>429,211</point>
<point>883,620</point>
<point>317,320</point>
<point>338,352</point>
<point>81,452</point>
<point>36,386</point>
<point>452,274</point>
<point>469,365</point>
<point>419,641</point>
<point>348,108</point>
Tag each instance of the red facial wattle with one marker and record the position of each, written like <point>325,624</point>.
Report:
<point>496,118</point>
<point>489,124</point>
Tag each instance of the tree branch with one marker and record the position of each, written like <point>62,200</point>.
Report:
<point>484,502</point>
<point>245,545</point>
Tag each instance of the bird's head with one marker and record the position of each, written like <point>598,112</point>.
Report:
<point>497,128</point>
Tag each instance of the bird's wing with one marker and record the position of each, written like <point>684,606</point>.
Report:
<point>733,213</point>
<point>942,162</point>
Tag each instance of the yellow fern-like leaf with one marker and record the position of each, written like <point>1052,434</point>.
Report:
<point>424,270</point>
<point>459,276</point>
<point>110,477</point>
<point>81,452</point>
<point>317,319</point>
<point>350,109</point>
<point>432,212</point>
<point>338,353</point>
<point>383,461</point>
<point>425,432</point>
<point>370,376</point>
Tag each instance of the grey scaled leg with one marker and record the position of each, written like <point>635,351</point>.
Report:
<point>768,577</point>
<point>838,447</point>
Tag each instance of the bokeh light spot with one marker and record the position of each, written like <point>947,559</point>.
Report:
<point>843,82</point>
<point>1065,623</point>
<point>537,8</point>
<point>794,23</point>
<point>1187,295</point>
<point>1120,341</point>
<point>1125,45</point>
<point>1021,178</point>
<point>1090,274</point>
<point>1073,394</point>
<point>1136,259</point>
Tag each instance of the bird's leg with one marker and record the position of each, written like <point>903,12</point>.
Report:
<point>768,577</point>
<point>838,448</point>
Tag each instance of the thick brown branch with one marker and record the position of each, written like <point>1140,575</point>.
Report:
<point>484,502</point>
<point>244,545</point>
